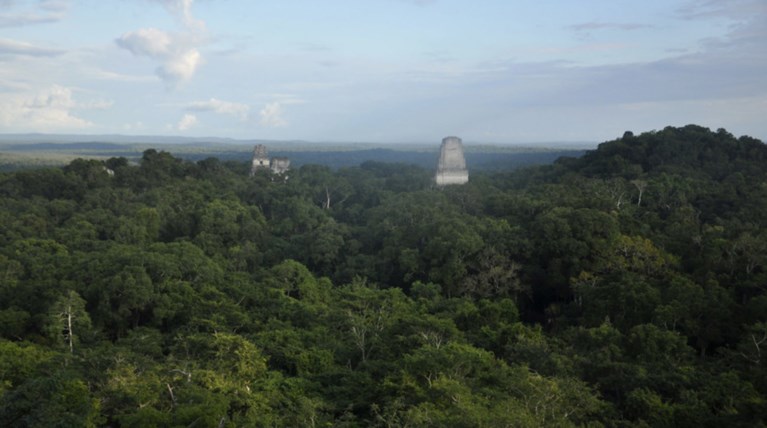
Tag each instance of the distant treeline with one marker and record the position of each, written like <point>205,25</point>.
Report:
<point>22,156</point>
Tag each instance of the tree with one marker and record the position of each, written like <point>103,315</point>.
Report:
<point>68,320</point>
<point>59,399</point>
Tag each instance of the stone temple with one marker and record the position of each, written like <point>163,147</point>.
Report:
<point>260,159</point>
<point>451,168</point>
<point>280,165</point>
<point>277,165</point>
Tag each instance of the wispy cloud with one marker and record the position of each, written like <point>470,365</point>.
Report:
<point>21,20</point>
<point>708,9</point>
<point>43,12</point>
<point>182,10</point>
<point>14,47</point>
<point>747,23</point>
<point>591,26</point>
<point>587,30</point>
<point>54,5</point>
<point>118,77</point>
<point>419,2</point>
<point>238,110</point>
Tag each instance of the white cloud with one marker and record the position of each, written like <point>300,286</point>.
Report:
<point>180,67</point>
<point>44,12</point>
<point>182,9</point>
<point>117,77</point>
<point>7,21</point>
<point>57,97</point>
<point>49,109</point>
<point>178,52</point>
<point>272,115</point>
<point>14,47</point>
<point>149,42</point>
<point>180,61</point>
<point>240,111</point>
<point>54,5</point>
<point>186,122</point>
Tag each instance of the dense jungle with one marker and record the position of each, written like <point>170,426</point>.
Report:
<point>623,288</point>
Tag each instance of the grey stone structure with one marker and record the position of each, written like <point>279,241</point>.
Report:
<point>278,165</point>
<point>451,168</point>
<point>260,159</point>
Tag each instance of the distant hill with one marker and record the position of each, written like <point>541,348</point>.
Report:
<point>691,149</point>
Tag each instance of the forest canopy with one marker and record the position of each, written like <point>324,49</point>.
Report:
<point>625,288</point>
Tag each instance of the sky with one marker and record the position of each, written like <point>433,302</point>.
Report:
<point>488,71</point>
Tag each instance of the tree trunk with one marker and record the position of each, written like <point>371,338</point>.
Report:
<point>69,330</point>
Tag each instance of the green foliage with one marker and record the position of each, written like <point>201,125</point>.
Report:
<point>624,288</point>
<point>57,400</point>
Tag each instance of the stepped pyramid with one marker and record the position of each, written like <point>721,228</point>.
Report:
<point>451,168</point>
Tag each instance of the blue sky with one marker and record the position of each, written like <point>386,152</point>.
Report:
<point>491,71</point>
